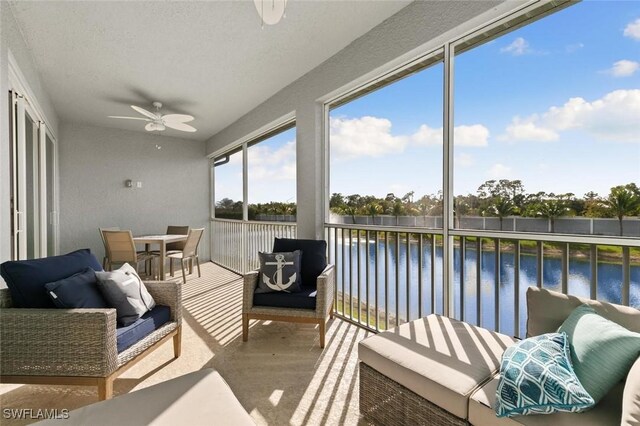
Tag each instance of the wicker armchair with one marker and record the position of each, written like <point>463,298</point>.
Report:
<point>77,346</point>
<point>323,311</point>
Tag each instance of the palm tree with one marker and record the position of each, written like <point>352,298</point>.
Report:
<point>398,209</point>
<point>622,201</point>
<point>372,210</point>
<point>351,211</point>
<point>552,209</point>
<point>502,207</point>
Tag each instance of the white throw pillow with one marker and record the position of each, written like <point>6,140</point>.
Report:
<point>124,290</point>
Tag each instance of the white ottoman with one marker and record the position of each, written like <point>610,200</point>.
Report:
<point>198,398</point>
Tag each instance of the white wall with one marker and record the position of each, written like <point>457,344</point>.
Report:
<point>414,30</point>
<point>96,161</point>
<point>11,40</point>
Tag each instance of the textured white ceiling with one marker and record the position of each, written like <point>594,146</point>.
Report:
<point>209,59</point>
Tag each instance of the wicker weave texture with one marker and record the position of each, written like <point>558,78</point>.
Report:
<point>58,342</point>
<point>249,286</point>
<point>74,342</point>
<point>5,298</point>
<point>144,344</point>
<point>167,293</point>
<point>324,298</point>
<point>385,402</point>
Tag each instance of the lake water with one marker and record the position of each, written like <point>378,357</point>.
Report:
<point>609,281</point>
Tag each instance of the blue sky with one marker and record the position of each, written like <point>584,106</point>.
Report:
<point>555,104</point>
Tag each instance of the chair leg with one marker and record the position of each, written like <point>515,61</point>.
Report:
<point>190,265</point>
<point>331,310</point>
<point>245,327</point>
<point>184,276</point>
<point>171,266</point>
<point>323,325</point>
<point>177,343</point>
<point>198,263</point>
<point>105,388</point>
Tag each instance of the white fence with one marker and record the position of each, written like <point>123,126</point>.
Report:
<point>563,225</point>
<point>235,244</point>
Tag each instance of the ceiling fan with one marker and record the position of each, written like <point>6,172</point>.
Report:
<point>159,122</point>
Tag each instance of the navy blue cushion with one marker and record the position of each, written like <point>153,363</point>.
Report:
<point>305,299</point>
<point>314,257</point>
<point>145,325</point>
<point>77,291</point>
<point>26,278</point>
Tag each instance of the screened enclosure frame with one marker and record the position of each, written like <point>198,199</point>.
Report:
<point>466,39</point>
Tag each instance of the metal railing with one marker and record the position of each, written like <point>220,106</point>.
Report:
<point>377,284</point>
<point>386,276</point>
<point>235,244</point>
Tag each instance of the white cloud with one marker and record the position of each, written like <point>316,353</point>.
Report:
<point>632,30</point>
<point>624,68</point>
<point>427,136</point>
<point>499,171</point>
<point>371,136</point>
<point>614,117</point>
<point>527,130</point>
<point>463,135</point>
<point>474,135</point>
<point>269,164</point>
<point>464,160</point>
<point>364,136</point>
<point>518,47</point>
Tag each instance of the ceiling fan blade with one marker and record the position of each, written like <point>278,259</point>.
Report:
<point>177,118</point>
<point>145,112</point>
<point>180,126</point>
<point>129,118</point>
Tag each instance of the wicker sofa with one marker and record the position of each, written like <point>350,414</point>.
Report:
<point>440,371</point>
<point>80,346</point>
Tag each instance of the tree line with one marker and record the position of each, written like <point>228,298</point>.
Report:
<point>494,198</point>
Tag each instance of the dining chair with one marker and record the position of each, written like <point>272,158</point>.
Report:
<point>122,249</point>
<point>177,230</point>
<point>178,245</point>
<point>189,252</point>
<point>173,247</point>
<point>104,243</point>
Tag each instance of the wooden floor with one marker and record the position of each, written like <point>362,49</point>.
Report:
<point>281,376</point>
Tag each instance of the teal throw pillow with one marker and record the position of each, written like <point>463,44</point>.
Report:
<point>536,378</point>
<point>602,351</point>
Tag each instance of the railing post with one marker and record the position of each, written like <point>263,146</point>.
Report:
<point>593,258</point>
<point>565,268</point>
<point>539,264</point>
<point>496,294</point>
<point>626,276</point>
<point>516,288</point>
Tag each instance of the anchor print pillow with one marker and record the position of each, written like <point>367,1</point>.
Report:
<point>279,272</point>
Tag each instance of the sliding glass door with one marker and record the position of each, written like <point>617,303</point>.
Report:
<point>34,217</point>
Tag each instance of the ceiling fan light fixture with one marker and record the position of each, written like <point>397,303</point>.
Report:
<point>271,11</point>
<point>154,126</point>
